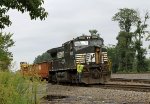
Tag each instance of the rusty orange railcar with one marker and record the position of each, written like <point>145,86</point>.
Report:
<point>40,70</point>
<point>43,69</point>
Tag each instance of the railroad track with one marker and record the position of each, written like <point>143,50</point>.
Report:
<point>145,81</point>
<point>143,85</point>
<point>126,87</point>
<point>140,88</point>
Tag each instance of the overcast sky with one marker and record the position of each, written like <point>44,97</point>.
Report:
<point>67,19</point>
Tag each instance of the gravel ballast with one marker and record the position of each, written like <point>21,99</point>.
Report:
<point>92,95</point>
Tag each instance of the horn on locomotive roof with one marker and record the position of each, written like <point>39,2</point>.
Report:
<point>94,32</point>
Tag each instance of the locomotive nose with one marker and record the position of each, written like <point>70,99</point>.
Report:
<point>90,56</point>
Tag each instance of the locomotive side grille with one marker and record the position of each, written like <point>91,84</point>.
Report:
<point>104,57</point>
<point>85,57</point>
<point>88,57</point>
<point>80,58</point>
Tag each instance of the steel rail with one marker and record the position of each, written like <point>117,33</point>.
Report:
<point>139,88</point>
<point>145,81</point>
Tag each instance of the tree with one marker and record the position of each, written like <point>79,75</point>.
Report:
<point>126,18</point>
<point>112,55</point>
<point>34,7</point>
<point>42,58</point>
<point>130,39</point>
<point>125,55</point>
<point>35,10</point>
<point>5,56</point>
<point>139,34</point>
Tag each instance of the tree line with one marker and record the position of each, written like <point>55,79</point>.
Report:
<point>129,55</point>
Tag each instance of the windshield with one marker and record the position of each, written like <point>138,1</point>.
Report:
<point>81,43</point>
<point>95,42</point>
<point>60,54</point>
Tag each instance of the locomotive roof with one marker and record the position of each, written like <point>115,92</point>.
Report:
<point>85,37</point>
<point>53,50</point>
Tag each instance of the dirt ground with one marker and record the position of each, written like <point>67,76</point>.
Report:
<point>62,94</point>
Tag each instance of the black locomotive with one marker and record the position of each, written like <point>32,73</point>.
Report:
<point>89,51</point>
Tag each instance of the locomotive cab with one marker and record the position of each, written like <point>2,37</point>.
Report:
<point>89,51</point>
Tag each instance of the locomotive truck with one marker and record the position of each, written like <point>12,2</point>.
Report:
<point>89,51</point>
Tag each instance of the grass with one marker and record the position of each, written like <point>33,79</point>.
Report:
<point>15,89</point>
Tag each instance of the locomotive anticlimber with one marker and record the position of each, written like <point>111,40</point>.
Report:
<point>89,51</point>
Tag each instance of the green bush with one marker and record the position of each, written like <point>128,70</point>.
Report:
<point>15,89</point>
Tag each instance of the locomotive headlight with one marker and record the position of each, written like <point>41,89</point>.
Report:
<point>87,37</point>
